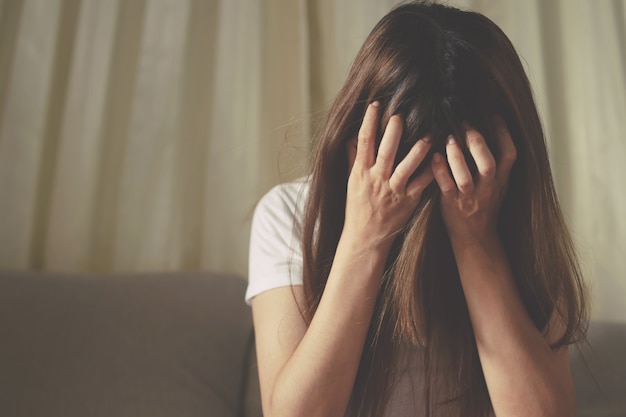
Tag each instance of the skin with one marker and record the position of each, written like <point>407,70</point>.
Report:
<point>310,371</point>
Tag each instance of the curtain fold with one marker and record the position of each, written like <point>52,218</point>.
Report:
<point>138,135</point>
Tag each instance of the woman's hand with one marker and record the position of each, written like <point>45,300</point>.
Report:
<point>381,199</point>
<point>470,207</point>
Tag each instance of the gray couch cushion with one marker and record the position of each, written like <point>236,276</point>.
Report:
<point>252,395</point>
<point>137,345</point>
<point>599,371</point>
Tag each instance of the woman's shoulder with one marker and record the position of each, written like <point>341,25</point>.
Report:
<point>284,203</point>
<point>289,193</point>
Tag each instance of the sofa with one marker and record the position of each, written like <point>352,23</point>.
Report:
<point>177,344</point>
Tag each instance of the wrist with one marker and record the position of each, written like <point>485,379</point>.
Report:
<point>476,244</point>
<point>365,244</point>
<point>365,255</point>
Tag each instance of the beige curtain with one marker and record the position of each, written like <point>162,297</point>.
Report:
<point>138,135</point>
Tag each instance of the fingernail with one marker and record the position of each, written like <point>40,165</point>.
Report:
<point>450,140</point>
<point>427,139</point>
<point>376,103</point>
<point>437,158</point>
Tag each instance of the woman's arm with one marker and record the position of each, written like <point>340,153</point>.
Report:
<point>524,376</point>
<point>311,371</point>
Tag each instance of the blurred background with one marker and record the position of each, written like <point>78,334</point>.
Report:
<point>137,135</point>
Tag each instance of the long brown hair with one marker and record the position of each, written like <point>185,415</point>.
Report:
<point>440,67</point>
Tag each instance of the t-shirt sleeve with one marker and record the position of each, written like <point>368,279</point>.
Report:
<point>275,257</point>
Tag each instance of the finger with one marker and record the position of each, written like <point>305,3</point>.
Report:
<point>508,152</point>
<point>460,172</point>
<point>406,167</point>
<point>442,176</point>
<point>418,184</point>
<point>389,146</point>
<point>485,162</point>
<point>367,137</point>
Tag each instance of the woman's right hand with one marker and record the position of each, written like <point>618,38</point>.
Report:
<point>380,199</point>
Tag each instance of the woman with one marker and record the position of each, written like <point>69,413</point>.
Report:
<point>423,267</point>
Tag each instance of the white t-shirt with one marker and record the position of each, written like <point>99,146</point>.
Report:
<point>275,239</point>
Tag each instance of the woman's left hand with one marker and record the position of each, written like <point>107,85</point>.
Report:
<point>470,206</point>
